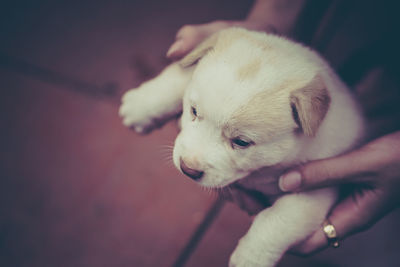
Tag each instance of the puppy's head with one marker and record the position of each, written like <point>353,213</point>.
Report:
<point>250,104</point>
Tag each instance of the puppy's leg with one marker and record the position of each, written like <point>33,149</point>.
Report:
<point>290,220</point>
<point>156,100</point>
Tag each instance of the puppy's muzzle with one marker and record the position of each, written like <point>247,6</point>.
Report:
<point>192,173</point>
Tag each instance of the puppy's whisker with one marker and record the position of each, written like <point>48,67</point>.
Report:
<point>166,155</point>
<point>168,160</point>
<point>225,192</point>
<point>167,146</point>
<point>209,190</point>
<point>205,189</point>
<point>168,163</point>
<point>166,152</point>
<point>230,191</point>
<point>166,149</point>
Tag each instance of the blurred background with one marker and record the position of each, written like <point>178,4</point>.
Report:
<point>79,189</point>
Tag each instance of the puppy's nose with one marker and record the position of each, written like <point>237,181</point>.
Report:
<point>192,173</point>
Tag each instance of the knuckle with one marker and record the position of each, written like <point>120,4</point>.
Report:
<point>316,172</point>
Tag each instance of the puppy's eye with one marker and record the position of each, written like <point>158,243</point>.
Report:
<point>194,111</point>
<point>240,143</point>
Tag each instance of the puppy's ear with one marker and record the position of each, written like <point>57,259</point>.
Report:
<point>199,51</point>
<point>310,105</point>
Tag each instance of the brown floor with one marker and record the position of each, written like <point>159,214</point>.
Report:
<point>79,189</point>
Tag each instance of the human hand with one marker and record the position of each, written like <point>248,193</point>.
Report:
<point>374,172</point>
<point>189,36</point>
<point>256,191</point>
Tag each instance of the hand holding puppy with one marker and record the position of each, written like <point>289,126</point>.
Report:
<point>273,124</point>
<point>374,169</point>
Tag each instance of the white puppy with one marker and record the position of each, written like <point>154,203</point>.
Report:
<point>252,100</point>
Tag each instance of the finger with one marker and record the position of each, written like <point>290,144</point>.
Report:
<point>186,39</point>
<point>175,49</point>
<point>327,172</point>
<point>181,47</point>
<point>189,36</point>
<point>352,215</point>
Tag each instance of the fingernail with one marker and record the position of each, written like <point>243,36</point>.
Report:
<point>290,181</point>
<point>174,48</point>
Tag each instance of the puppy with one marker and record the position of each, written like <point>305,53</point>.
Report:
<point>251,100</point>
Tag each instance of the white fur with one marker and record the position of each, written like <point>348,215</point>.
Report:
<point>215,90</point>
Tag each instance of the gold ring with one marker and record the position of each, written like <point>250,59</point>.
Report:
<point>330,233</point>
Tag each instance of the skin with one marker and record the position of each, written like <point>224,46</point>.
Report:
<point>373,169</point>
<point>265,15</point>
<point>369,175</point>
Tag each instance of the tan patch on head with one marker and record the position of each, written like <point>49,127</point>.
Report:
<point>267,114</point>
<point>249,70</point>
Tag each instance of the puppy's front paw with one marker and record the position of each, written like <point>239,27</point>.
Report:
<point>241,258</point>
<point>139,110</point>
<point>250,254</point>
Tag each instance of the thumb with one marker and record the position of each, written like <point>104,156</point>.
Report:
<point>180,48</point>
<point>187,38</point>
<point>326,172</point>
